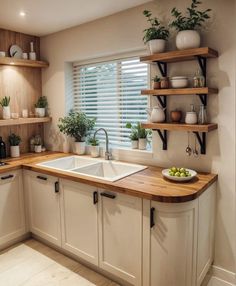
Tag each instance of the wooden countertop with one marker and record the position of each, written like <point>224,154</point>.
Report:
<point>148,184</point>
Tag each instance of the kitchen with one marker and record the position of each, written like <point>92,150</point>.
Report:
<point>62,51</point>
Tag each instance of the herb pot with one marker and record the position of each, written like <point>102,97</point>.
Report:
<point>15,151</point>
<point>94,151</point>
<point>134,144</point>
<point>40,112</point>
<point>6,112</point>
<point>142,143</point>
<point>165,82</point>
<point>80,148</point>
<point>188,39</point>
<point>157,46</point>
<point>156,85</point>
<point>37,148</point>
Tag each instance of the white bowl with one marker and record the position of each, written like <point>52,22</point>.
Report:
<point>193,174</point>
<point>179,82</point>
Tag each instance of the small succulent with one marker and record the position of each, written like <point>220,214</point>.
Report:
<point>5,101</point>
<point>14,140</point>
<point>42,102</point>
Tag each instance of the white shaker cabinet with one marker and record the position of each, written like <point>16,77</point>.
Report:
<point>120,236</point>
<point>178,241</point>
<point>12,213</point>
<point>79,213</point>
<point>44,206</point>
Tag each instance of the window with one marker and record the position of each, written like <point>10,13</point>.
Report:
<point>110,92</point>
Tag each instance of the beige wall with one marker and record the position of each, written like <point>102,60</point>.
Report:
<point>123,32</point>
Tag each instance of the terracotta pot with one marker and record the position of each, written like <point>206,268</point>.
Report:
<point>165,82</point>
<point>176,116</point>
<point>156,85</point>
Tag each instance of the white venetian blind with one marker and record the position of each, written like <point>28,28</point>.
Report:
<point>110,92</point>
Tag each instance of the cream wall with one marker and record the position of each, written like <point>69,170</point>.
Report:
<point>122,32</point>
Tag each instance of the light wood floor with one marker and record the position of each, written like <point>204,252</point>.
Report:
<point>34,264</point>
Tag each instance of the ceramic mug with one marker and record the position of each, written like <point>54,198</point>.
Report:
<point>191,117</point>
<point>25,56</point>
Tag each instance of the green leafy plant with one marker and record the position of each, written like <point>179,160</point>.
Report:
<point>38,140</point>
<point>14,140</point>
<point>76,125</point>
<point>42,102</point>
<point>138,130</point>
<point>5,101</point>
<point>93,141</point>
<point>193,18</point>
<point>156,78</point>
<point>156,31</point>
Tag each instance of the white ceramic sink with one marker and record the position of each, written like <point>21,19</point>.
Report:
<point>95,168</point>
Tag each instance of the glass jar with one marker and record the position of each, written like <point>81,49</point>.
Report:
<point>198,80</point>
<point>202,116</point>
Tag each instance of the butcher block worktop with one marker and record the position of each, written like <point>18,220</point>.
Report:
<point>148,184</point>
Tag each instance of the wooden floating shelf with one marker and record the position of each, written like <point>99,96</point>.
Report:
<point>183,55</point>
<point>179,91</point>
<point>24,121</point>
<point>23,63</point>
<point>181,127</point>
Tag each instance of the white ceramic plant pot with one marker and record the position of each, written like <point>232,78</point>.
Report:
<point>6,112</point>
<point>134,144</point>
<point>142,143</point>
<point>37,148</point>
<point>157,46</point>
<point>94,151</point>
<point>15,151</point>
<point>40,112</point>
<point>80,148</point>
<point>188,39</point>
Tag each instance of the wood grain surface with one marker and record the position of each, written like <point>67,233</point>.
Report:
<point>148,184</point>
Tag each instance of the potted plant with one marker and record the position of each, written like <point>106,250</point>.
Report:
<point>156,35</point>
<point>156,82</point>
<point>40,106</point>
<point>133,135</point>
<point>78,126</point>
<point>5,103</point>
<point>188,37</point>
<point>94,147</point>
<point>37,144</point>
<point>14,141</point>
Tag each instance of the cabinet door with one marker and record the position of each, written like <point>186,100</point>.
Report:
<point>172,244</point>
<point>120,236</point>
<point>12,214</point>
<point>80,220</point>
<point>44,207</point>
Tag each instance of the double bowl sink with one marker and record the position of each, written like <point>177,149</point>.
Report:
<point>96,168</point>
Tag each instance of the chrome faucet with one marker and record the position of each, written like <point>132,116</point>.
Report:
<point>107,153</point>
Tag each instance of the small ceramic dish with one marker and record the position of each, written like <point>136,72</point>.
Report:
<point>179,82</point>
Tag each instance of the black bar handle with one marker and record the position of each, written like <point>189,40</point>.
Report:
<point>57,189</point>
<point>95,198</point>
<point>42,178</point>
<point>152,222</point>
<point>110,196</point>
<point>7,177</point>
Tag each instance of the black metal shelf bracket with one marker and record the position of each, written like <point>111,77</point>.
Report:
<point>162,67</point>
<point>202,61</point>
<point>163,137</point>
<point>203,98</point>
<point>201,138</point>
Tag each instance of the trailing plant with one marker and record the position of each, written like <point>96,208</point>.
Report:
<point>93,141</point>
<point>192,19</point>
<point>5,101</point>
<point>156,78</point>
<point>156,31</point>
<point>138,130</point>
<point>42,102</point>
<point>14,140</point>
<point>76,125</point>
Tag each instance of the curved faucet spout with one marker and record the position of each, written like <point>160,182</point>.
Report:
<point>107,153</point>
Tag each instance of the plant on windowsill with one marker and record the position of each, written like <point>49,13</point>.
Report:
<point>94,147</point>
<point>78,126</point>
<point>5,103</point>
<point>14,141</point>
<point>188,37</point>
<point>40,106</point>
<point>139,136</point>
<point>156,35</point>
